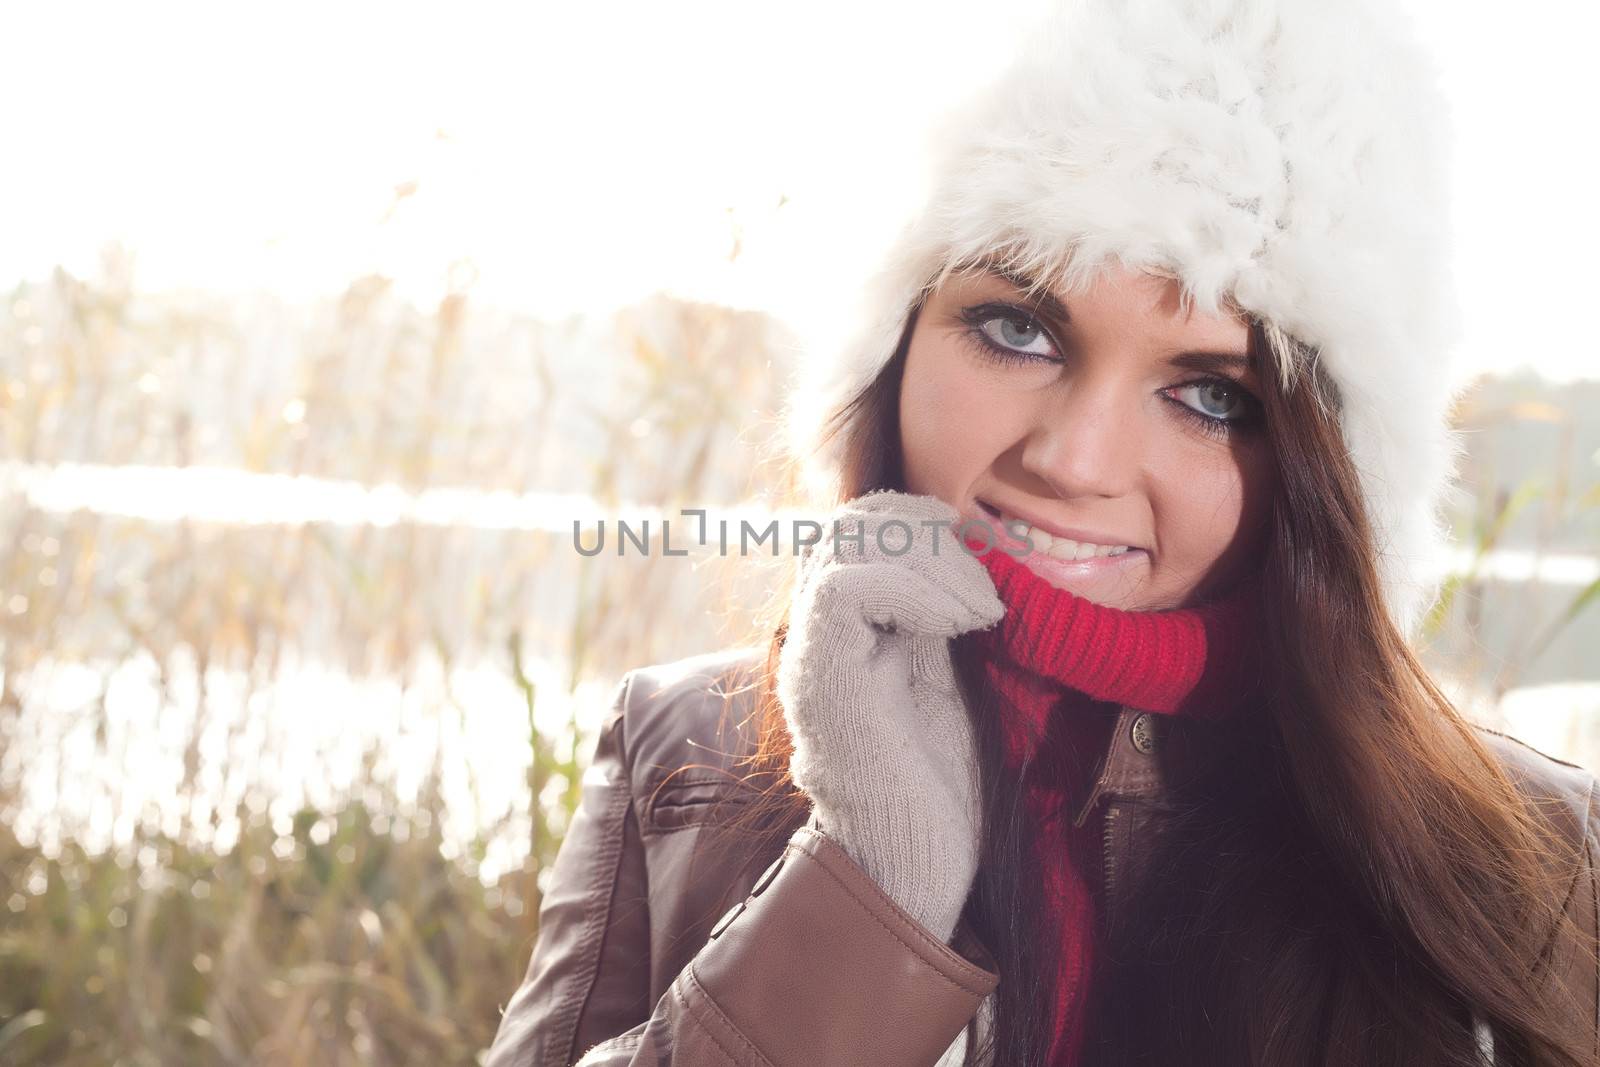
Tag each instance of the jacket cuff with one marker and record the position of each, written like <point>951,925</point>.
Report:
<point>819,965</point>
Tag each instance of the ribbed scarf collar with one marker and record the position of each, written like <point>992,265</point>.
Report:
<point>1201,661</point>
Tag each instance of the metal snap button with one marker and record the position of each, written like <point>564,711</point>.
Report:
<point>1144,733</point>
<point>722,923</point>
<point>766,876</point>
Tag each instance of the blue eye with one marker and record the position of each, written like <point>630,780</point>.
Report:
<point>1018,334</point>
<point>1217,399</point>
<point>1220,407</point>
<point>1009,334</point>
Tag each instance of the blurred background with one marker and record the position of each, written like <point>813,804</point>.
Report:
<point>320,325</point>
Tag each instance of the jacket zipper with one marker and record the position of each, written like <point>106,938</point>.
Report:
<point>1108,865</point>
<point>1090,800</point>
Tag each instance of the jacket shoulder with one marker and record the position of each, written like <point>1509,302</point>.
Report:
<point>687,724</point>
<point>1563,791</point>
<point>1569,797</point>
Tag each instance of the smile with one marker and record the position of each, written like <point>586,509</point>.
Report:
<point>1055,545</point>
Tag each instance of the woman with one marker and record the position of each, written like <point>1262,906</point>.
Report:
<point>1097,737</point>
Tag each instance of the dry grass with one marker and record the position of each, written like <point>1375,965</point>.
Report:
<point>224,925</point>
<point>361,932</point>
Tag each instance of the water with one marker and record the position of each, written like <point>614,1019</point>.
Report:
<point>104,741</point>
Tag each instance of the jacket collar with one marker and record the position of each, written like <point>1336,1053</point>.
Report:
<point>1150,756</point>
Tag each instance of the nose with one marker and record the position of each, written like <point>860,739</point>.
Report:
<point>1085,443</point>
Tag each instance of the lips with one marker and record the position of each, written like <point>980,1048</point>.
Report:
<point>1056,546</point>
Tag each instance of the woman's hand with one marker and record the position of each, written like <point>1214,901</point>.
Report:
<point>882,741</point>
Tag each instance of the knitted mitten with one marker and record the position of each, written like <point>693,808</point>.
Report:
<point>882,742</point>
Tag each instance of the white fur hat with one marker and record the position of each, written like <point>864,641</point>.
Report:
<point>1288,155</point>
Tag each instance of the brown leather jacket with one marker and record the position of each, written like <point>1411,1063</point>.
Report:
<point>639,960</point>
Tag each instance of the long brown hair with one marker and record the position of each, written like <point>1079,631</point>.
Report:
<point>1362,880</point>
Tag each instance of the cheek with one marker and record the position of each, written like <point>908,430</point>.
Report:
<point>1211,506</point>
<point>956,421</point>
<point>951,426</point>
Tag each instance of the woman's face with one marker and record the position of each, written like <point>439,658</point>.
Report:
<point>1125,434</point>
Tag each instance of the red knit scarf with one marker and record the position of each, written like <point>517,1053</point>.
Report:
<point>1065,665</point>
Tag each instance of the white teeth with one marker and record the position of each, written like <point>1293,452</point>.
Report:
<point>1059,547</point>
<point>1071,550</point>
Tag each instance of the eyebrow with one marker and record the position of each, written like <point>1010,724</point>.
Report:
<point>1051,306</point>
<point>1214,361</point>
<point>1043,300</point>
